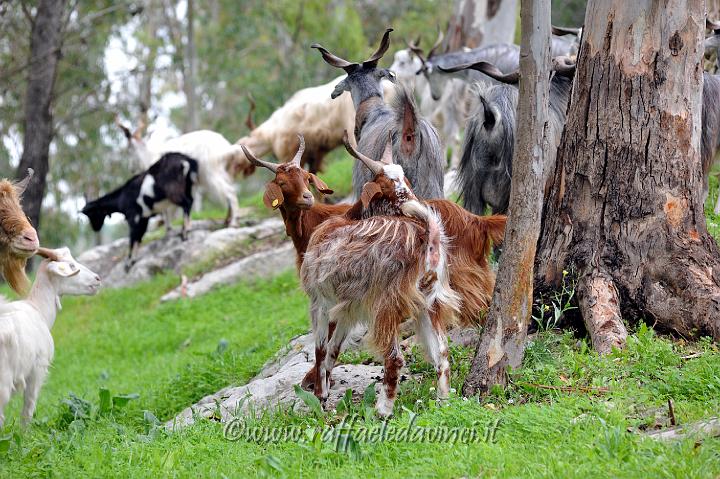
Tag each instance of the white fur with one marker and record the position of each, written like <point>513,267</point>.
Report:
<point>312,112</point>
<point>213,153</point>
<point>26,346</point>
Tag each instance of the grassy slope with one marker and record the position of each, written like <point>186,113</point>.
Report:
<point>174,354</point>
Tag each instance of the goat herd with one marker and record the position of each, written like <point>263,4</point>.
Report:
<point>399,252</point>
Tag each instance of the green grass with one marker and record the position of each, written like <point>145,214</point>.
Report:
<point>124,342</point>
<point>174,354</point>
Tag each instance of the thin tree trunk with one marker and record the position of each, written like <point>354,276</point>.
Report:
<point>190,72</point>
<point>153,13</point>
<point>625,208</point>
<point>477,23</point>
<point>45,45</point>
<point>502,343</point>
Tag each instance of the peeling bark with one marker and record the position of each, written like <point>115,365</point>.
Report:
<point>600,302</point>
<point>626,195</point>
<point>502,343</point>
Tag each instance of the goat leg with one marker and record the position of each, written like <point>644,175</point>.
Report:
<point>434,339</point>
<point>394,362</point>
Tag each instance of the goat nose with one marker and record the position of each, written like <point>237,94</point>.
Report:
<point>307,195</point>
<point>30,235</point>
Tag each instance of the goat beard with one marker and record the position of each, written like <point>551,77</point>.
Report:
<point>13,270</point>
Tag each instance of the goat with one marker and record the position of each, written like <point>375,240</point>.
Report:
<point>216,157</point>
<point>380,270</point>
<point>290,192</point>
<point>312,111</point>
<point>26,345</point>
<point>470,235</point>
<point>170,181</point>
<point>435,68</point>
<point>415,143</point>
<point>18,239</point>
<point>485,170</point>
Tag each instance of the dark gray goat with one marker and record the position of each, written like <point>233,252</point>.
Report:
<point>415,142</point>
<point>485,170</point>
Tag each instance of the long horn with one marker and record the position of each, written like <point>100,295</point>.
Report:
<point>561,31</point>
<point>21,185</point>
<point>415,48</point>
<point>257,162</point>
<point>249,120</point>
<point>298,156</point>
<point>438,42</point>
<point>375,166</point>
<point>488,69</point>
<point>126,131</point>
<point>387,157</point>
<point>712,24</point>
<point>47,253</point>
<point>384,45</point>
<point>335,60</point>
<point>140,130</point>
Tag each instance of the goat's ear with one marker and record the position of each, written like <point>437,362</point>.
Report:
<point>273,196</point>
<point>63,269</point>
<point>340,88</point>
<point>369,192</point>
<point>320,185</point>
<point>489,114</point>
<point>409,123</point>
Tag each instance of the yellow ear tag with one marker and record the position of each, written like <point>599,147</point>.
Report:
<point>275,202</point>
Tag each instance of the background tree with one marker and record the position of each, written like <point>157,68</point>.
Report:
<point>477,23</point>
<point>46,38</point>
<point>502,343</point>
<point>624,211</point>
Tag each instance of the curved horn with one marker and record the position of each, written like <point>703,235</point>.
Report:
<point>387,157</point>
<point>47,253</point>
<point>257,162</point>
<point>488,69</point>
<point>375,166</point>
<point>335,60</point>
<point>712,24</point>
<point>437,44</point>
<point>249,120</point>
<point>417,51</point>
<point>22,184</point>
<point>384,45</point>
<point>298,156</point>
<point>561,31</point>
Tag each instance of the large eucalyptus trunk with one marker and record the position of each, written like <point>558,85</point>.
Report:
<point>502,343</point>
<point>477,23</point>
<point>45,51</point>
<point>625,211</point>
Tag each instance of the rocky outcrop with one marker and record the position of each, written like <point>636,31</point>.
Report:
<point>169,253</point>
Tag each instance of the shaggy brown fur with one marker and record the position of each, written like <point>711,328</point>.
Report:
<point>13,225</point>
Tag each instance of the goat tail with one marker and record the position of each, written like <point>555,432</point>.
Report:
<point>493,226</point>
<point>435,232</point>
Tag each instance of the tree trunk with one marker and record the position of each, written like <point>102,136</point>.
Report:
<point>45,45</point>
<point>190,71</point>
<point>477,23</point>
<point>502,343</point>
<point>625,211</point>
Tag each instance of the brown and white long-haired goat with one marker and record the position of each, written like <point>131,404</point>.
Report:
<point>381,270</point>
<point>18,239</point>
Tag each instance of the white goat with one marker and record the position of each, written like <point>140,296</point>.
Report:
<point>26,345</point>
<point>313,113</point>
<point>215,156</point>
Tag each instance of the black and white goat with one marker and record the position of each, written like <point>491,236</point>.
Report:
<point>416,145</point>
<point>169,182</point>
